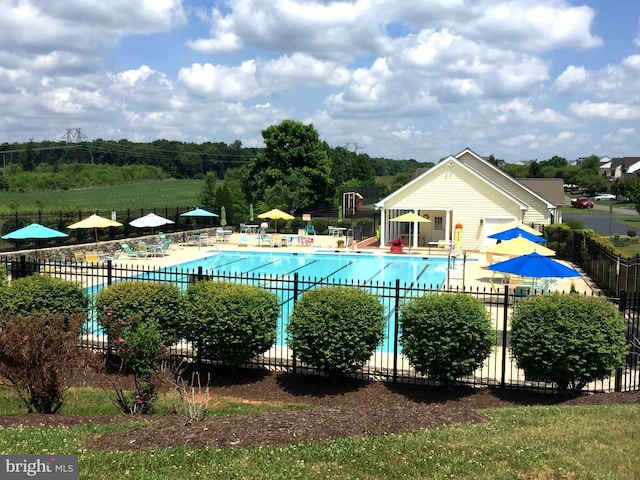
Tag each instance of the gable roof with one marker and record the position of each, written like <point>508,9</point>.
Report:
<point>505,176</point>
<point>443,164</point>
<point>550,188</point>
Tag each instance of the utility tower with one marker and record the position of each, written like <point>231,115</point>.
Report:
<point>73,135</point>
<point>353,146</point>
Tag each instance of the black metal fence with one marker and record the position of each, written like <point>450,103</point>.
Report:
<point>387,363</point>
<point>360,225</point>
<point>612,272</point>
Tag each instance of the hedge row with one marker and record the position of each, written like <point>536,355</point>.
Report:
<point>566,339</point>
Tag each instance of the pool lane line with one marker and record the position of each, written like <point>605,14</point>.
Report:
<point>247,271</point>
<point>312,283</point>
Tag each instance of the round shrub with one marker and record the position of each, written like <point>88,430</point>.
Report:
<point>45,295</point>
<point>567,339</point>
<point>39,356</point>
<point>161,303</point>
<point>446,336</point>
<point>231,323</point>
<point>336,329</point>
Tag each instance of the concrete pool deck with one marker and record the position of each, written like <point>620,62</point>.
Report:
<point>471,274</point>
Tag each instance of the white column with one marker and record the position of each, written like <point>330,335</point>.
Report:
<point>383,222</point>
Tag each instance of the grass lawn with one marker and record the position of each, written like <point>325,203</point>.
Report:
<point>572,442</point>
<point>148,195</point>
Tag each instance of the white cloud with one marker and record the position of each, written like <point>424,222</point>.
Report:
<point>605,110</point>
<point>409,79</point>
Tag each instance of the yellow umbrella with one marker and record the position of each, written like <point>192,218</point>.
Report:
<point>95,222</point>
<point>276,215</point>
<point>410,217</point>
<point>519,246</point>
<point>509,225</point>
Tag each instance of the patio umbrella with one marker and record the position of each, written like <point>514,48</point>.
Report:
<point>251,212</point>
<point>223,216</point>
<point>35,231</point>
<point>151,220</point>
<point>95,222</point>
<point>516,232</point>
<point>276,215</point>
<point>519,246</point>
<point>509,225</point>
<point>535,266</point>
<point>198,212</point>
<point>410,217</point>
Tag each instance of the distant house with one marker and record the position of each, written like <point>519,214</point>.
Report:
<point>467,191</point>
<point>630,167</point>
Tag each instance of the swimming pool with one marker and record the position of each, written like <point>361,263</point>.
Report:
<point>360,268</point>
<point>276,271</point>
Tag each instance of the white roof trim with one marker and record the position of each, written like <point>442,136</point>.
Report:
<point>443,164</point>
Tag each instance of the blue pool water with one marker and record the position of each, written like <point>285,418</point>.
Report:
<point>362,268</point>
<point>367,270</point>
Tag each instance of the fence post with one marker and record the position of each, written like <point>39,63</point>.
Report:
<point>505,318</point>
<point>622,306</point>
<point>295,299</point>
<point>396,330</point>
<point>109,272</point>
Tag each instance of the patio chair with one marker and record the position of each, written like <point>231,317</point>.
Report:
<point>265,239</point>
<point>131,253</point>
<point>309,229</point>
<point>244,228</point>
<point>164,240</point>
<point>243,241</point>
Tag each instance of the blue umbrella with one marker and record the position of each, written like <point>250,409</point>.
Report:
<point>198,212</point>
<point>534,265</point>
<point>35,231</point>
<point>516,232</point>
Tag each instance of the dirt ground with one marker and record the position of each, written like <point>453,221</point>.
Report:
<point>351,409</point>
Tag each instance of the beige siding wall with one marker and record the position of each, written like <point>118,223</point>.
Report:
<point>468,200</point>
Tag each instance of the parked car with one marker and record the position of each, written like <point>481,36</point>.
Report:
<point>581,202</point>
<point>604,196</point>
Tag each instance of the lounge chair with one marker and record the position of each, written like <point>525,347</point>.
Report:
<point>131,253</point>
<point>263,239</point>
<point>164,240</point>
<point>309,229</point>
<point>243,241</point>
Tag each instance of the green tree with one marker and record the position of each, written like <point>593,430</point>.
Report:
<point>223,198</point>
<point>630,188</point>
<point>207,195</point>
<point>295,159</point>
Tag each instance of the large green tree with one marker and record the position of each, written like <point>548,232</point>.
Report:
<point>294,170</point>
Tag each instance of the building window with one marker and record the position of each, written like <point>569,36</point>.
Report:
<point>437,223</point>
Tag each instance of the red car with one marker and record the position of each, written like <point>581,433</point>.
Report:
<point>582,202</point>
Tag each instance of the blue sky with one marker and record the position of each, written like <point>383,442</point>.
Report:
<point>518,79</point>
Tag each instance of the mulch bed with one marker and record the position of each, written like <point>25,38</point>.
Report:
<point>336,411</point>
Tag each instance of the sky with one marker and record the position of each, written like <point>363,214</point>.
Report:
<point>399,79</point>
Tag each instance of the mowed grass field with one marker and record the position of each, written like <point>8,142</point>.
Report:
<point>147,195</point>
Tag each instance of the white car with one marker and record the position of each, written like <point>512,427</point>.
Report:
<point>604,196</point>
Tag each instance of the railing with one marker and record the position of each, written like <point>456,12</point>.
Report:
<point>387,363</point>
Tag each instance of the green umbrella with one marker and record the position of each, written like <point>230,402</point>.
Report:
<point>251,212</point>
<point>223,216</point>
